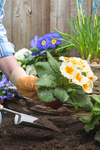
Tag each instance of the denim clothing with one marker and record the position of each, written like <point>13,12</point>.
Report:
<point>6,48</point>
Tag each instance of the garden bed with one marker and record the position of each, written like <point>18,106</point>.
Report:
<point>72,135</point>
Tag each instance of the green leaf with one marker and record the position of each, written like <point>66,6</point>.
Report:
<point>34,49</point>
<point>96,97</point>
<point>96,109</point>
<point>46,95</point>
<point>89,126</point>
<point>28,59</point>
<point>53,63</point>
<point>44,68</point>
<point>85,119</point>
<point>70,101</point>
<point>83,100</point>
<point>61,94</point>
<point>48,81</point>
<point>97,136</point>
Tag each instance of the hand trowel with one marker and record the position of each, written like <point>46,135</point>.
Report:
<point>30,121</point>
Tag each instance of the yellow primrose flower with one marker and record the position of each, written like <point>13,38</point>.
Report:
<point>91,76</point>
<point>88,86</point>
<point>76,61</point>
<point>68,70</point>
<point>79,78</point>
<point>85,66</point>
<point>64,58</point>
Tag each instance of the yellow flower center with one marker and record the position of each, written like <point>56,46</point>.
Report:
<point>18,55</point>
<point>69,70</point>
<point>43,42</point>
<point>53,41</point>
<point>91,78</point>
<point>85,87</point>
<point>66,59</point>
<point>74,61</point>
<point>78,77</point>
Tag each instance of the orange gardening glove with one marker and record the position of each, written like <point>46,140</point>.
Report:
<point>25,86</point>
<point>24,83</point>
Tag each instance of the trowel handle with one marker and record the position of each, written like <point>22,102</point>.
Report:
<point>11,111</point>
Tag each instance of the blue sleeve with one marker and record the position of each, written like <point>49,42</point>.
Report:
<point>2,2</point>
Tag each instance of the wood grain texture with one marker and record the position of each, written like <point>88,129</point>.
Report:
<point>27,18</point>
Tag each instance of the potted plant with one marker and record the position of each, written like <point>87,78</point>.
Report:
<point>66,80</point>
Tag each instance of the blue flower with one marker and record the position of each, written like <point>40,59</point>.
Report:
<point>1,98</point>
<point>38,53</point>
<point>9,96</point>
<point>15,93</point>
<point>83,12</point>
<point>94,10</point>
<point>98,0</point>
<point>2,85</point>
<point>33,42</point>
<point>95,4</point>
<point>53,40</point>
<point>79,5</point>
<point>42,43</point>
<point>80,1</point>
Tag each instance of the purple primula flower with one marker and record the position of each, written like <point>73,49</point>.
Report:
<point>15,93</point>
<point>42,43</point>
<point>94,10</point>
<point>53,41</point>
<point>4,92</point>
<point>38,53</point>
<point>1,98</point>
<point>9,96</point>
<point>33,42</point>
<point>95,4</point>
<point>1,85</point>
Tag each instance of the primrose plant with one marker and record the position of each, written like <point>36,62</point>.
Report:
<point>92,120</point>
<point>67,80</point>
<point>86,31</point>
<point>51,43</point>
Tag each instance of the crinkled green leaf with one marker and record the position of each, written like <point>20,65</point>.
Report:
<point>96,97</point>
<point>47,81</point>
<point>61,94</point>
<point>53,63</point>
<point>70,101</point>
<point>83,100</point>
<point>46,95</point>
<point>44,68</point>
<point>89,126</point>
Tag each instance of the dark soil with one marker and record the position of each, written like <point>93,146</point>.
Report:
<point>72,135</point>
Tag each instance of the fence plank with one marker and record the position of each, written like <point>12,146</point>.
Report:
<point>8,19</point>
<point>27,18</point>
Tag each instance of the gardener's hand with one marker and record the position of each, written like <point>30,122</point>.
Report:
<point>25,86</point>
<point>24,83</point>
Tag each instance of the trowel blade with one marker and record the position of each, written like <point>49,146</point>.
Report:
<point>30,121</point>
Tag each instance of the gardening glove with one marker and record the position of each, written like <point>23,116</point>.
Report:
<point>24,83</point>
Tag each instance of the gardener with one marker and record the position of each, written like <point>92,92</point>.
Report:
<point>10,67</point>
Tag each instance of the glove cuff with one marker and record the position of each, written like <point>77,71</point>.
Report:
<point>16,74</point>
